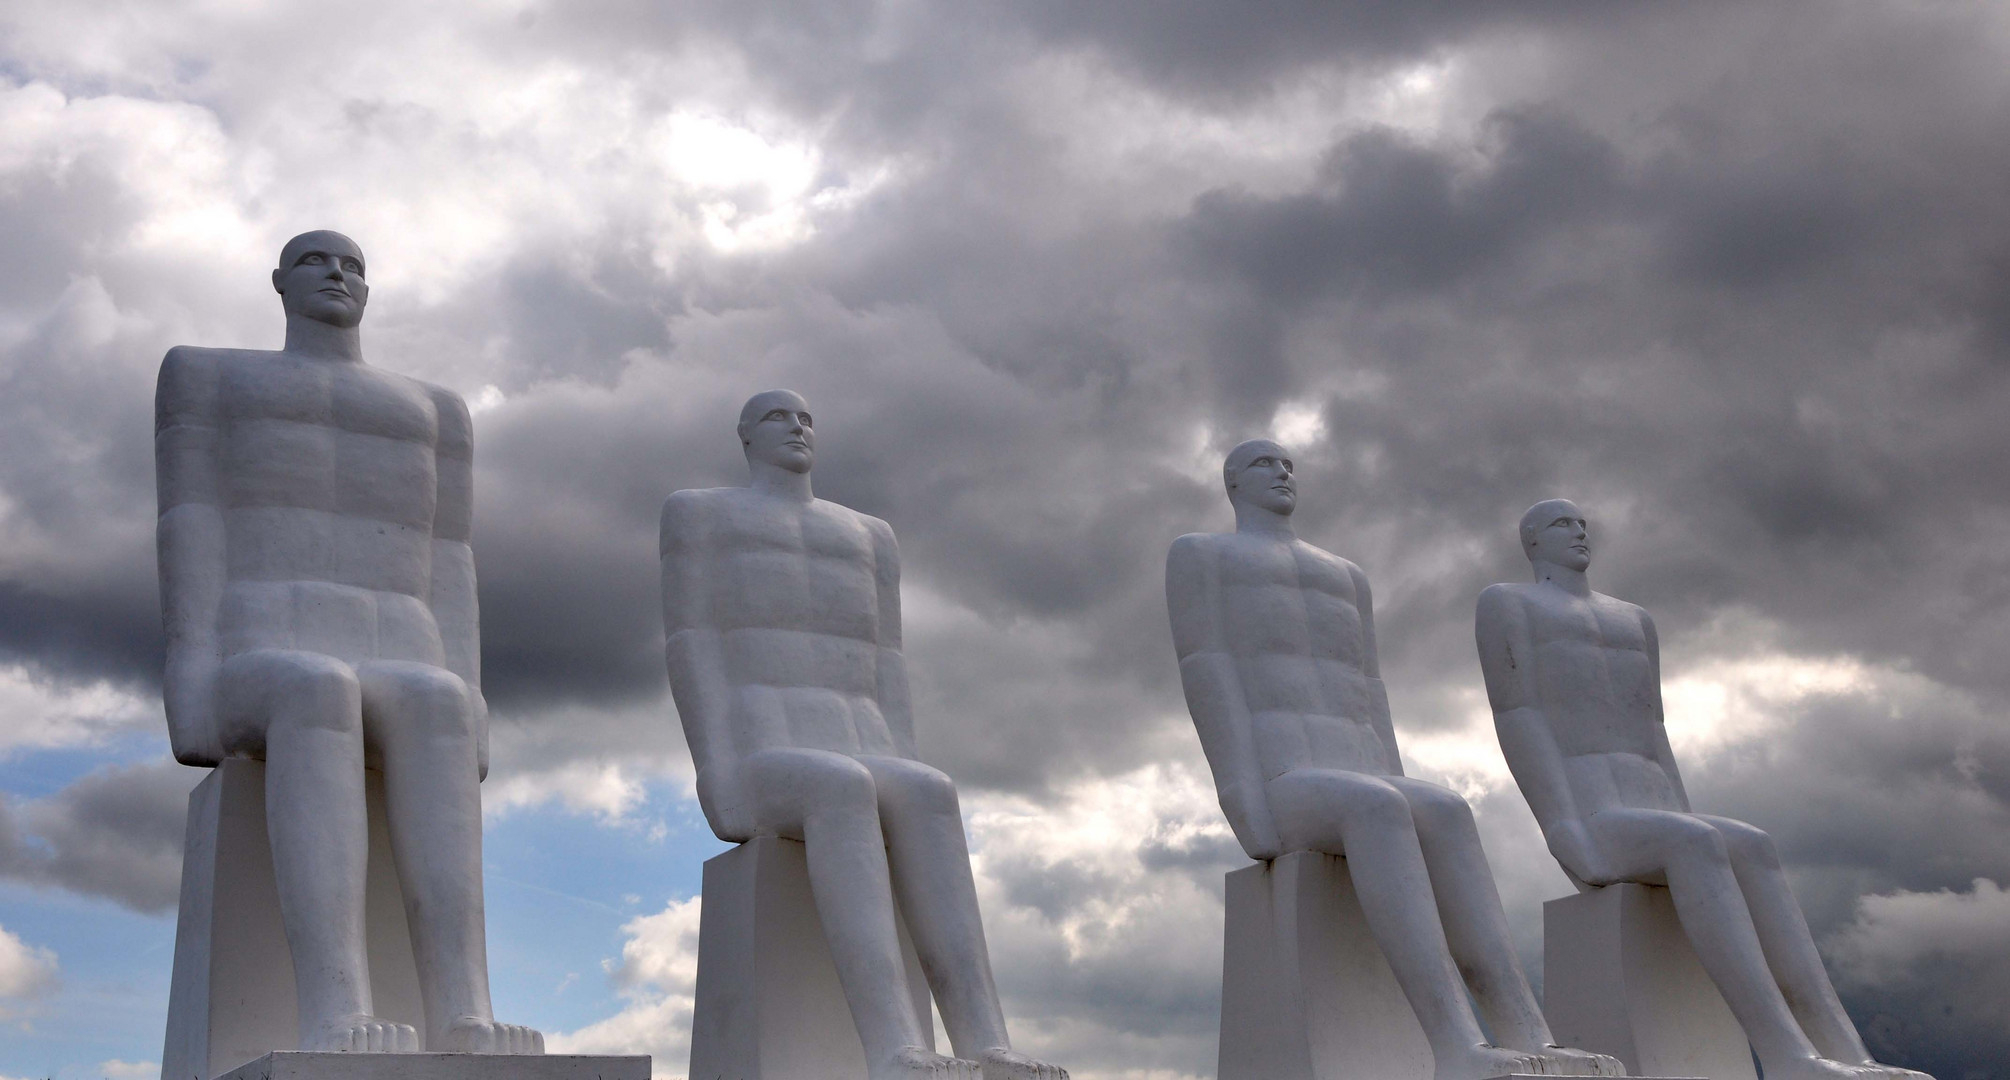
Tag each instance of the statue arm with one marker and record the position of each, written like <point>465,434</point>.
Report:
<point>1214,696</point>
<point>1506,649</point>
<point>894,704</point>
<point>190,539</point>
<point>1663,752</point>
<point>452,599</point>
<point>1371,668</point>
<point>694,651</point>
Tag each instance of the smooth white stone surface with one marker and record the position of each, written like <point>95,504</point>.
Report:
<point>1574,679</point>
<point>781,616</point>
<point>232,996</point>
<point>1619,977</point>
<point>1276,643</point>
<point>1305,992</point>
<point>769,1006</point>
<point>318,596</point>
<point>294,1065</point>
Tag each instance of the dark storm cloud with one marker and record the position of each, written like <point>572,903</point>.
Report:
<point>1738,281</point>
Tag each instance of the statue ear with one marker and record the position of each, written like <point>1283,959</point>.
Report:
<point>277,273</point>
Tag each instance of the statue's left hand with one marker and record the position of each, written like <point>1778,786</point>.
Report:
<point>480,706</point>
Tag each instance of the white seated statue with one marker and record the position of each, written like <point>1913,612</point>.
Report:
<point>318,593</point>
<point>1574,678</point>
<point>1276,642</point>
<point>782,613</point>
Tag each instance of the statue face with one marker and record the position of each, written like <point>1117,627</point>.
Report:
<point>1259,473</point>
<point>320,277</point>
<point>776,431</point>
<point>1562,539</point>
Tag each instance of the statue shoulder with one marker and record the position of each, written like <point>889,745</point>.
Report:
<point>684,511</point>
<point>188,380</point>
<point>1193,548</point>
<point>456,423</point>
<point>1501,601</point>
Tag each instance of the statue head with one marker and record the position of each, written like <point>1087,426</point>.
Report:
<point>1553,531</point>
<point>1258,473</point>
<point>320,277</point>
<point>775,430</point>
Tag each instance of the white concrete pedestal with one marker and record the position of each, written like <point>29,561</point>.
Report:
<point>769,1006</point>
<point>299,1066</point>
<point>1619,977</point>
<point>232,997</point>
<point>1305,992</point>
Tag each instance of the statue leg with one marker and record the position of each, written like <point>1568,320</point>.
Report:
<point>1692,859</point>
<point>304,712</point>
<point>420,724</point>
<point>830,803</point>
<point>1788,944</point>
<point>1368,820</point>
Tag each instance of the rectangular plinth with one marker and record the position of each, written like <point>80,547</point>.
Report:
<point>1620,978</point>
<point>1306,993</point>
<point>232,996</point>
<point>293,1065</point>
<point>769,1005</point>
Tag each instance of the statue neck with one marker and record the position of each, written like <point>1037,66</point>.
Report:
<point>1563,577</point>
<point>779,482</point>
<point>1256,521</point>
<point>318,340</point>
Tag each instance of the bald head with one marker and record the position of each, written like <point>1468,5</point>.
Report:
<point>1554,531</point>
<point>320,278</point>
<point>322,241</point>
<point>1257,473</point>
<point>775,430</point>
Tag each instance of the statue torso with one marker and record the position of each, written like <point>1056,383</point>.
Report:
<point>1599,689</point>
<point>793,591</point>
<point>1290,620</point>
<point>327,479</point>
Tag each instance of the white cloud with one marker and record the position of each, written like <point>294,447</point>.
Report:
<point>36,714</point>
<point>1895,936</point>
<point>658,976</point>
<point>27,971</point>
<point>129,1070</point>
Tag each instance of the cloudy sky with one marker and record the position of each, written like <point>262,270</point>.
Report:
<point>1735,277</point>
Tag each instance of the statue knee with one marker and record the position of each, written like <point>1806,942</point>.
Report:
<point>1377,806</point>
<point>418,699</point>
<point>925,789</point>
<point>835,783</point>
<point>296,689</point>
<point>1748,845</point>
<point>1697,844</point>
<point>1441,812</point>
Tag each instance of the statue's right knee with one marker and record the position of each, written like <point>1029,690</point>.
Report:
<point>296,689</point>
<point>1698,844</point>
<point>1377,806</point>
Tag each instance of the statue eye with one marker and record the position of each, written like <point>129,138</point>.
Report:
<point>805,418</point>
<point>352,266</point>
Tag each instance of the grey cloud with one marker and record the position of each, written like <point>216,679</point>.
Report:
<point>116,834</point>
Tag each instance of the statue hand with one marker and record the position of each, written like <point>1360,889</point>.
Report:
<point>1571,843</point>
<point>190,697</point>
<point>480,707</point>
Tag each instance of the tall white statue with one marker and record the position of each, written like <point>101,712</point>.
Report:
<point>1574,677</point>
<point>1276,642</point>
<point>319,598</point>
<point>783,618</point>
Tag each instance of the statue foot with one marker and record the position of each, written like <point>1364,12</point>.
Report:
<point>916,1063</point>
<point>1483,1062</point>
<point>361,1033</point>
<point>475,1035</point>
<point>1570,1061</point>
<point>1893,1072</point>
<point>1001,1063</point>
<point>1816,1068</point>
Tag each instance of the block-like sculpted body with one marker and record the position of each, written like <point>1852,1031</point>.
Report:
<point>319,598</point>
<point>782,613</point>
<point>1574,678</point>
<point>1276,643</point>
